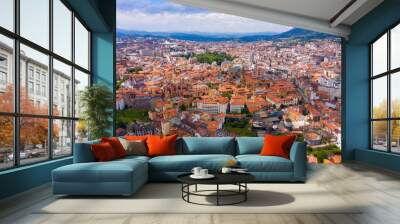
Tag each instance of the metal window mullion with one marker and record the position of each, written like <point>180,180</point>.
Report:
<point>389,100</point>
<point>90,68</point>
<point>383,119</point>
<point>385,73</point>
<point>16,69</point>
<point>115,78</point>
<point>371,133</point>
<point>50,81</point>
<point>84,70</point>
<point>73,82</point>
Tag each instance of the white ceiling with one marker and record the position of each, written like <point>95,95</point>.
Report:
<point>317,15</point>
<point>320,9</point>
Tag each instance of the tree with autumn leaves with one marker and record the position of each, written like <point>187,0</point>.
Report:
<point>33,131</point>
<point>379,128</point>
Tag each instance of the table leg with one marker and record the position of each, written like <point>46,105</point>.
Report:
<point>182,190</point>
<point>188,190</point>
<point>217,194</point>
<point>245,193</point>
<point>195,188</point>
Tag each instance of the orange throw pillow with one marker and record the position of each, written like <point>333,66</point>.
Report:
<point>116,145</point>
<point>277,145</point>
<point>103,152</point>
<point>136,138</point>
<point>161,145</point>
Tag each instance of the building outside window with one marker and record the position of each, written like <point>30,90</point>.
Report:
<point>37,75</point>
<point>3,61</point>
<point>44,77</point>
<point>38,89</point>
<point>3,72</point>
<point>43,90</point>
<point>30,72</point>
<point>30,87</point>
<point>3,78</point>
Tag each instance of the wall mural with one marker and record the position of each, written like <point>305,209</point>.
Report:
<point>193,72</point>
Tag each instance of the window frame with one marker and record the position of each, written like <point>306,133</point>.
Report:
<point>16,114</point>
<point>388,74</point>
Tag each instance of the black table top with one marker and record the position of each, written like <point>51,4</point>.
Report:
<point>220,178</point>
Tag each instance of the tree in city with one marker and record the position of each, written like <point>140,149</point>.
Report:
<point>211,57</point>
<point>379,128</point>
<point>135,69</point>
<point>182,107</point>
<point>245,110</point>
<point>33,131</point>
<point>81,130</point>
<point>6,122</point>
<point>6,132</point>
<point>227,95</point>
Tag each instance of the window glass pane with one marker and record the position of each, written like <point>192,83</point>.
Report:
<point>379,97</point>
<point>6,142</point>
<point>7,14</point>
<point>34,97</point>
<point>6,74</point>
<point>81,45</point>
<point>395,47</point>
<point>62,28</point>
<point>62,89</point>
<point>395,94</point>
<point>395,136</point>
<point>379,55</point>
<point>33,139</point>
<point>62,138</point>
<point>81,82</point>
<point>379,135</point>
<point>35,21</point>
<point>81,131</point>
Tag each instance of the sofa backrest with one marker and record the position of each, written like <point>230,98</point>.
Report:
<point>190,146</point>
<point>206,145</point>
<point>83,153</point>
<point>249,145</point>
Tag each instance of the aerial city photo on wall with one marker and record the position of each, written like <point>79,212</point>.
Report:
<point>194,72</point>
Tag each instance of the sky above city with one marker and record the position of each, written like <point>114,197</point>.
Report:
<point>167,16</point>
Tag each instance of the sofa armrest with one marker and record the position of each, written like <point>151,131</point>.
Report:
<point>298,155</point>
<point>83,152</point>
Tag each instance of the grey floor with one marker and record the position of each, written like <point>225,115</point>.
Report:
<point>377,188</point>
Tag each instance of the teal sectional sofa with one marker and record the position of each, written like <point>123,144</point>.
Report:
<point>125,176</point>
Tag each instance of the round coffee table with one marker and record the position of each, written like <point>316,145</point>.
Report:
<point>238,179</point>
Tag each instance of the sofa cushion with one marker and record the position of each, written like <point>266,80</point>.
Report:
<point>103,152</point>
<point>161,145</point>
<point>249,145</point>
<point>134,147</point>
<point>257,163</point>
<point>277,145</point>
<point>185,163</point>
<point>116,145</point>
<point>207,145</point>
<point>112,171</point>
